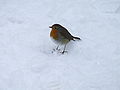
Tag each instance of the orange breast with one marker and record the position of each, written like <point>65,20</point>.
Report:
<point>54,34</point>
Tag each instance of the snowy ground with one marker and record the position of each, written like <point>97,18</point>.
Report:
<point>26,61</point>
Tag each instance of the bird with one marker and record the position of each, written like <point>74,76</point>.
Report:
<point>61,36</point>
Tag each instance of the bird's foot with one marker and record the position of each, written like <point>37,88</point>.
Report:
<point>64,52</point>
<point>56,50</point>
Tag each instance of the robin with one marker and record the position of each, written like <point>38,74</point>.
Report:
<point>61,36</point>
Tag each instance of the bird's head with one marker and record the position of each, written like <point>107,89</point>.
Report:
<point>55,26</point>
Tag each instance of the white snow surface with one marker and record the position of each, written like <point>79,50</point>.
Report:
<point>26,61</point>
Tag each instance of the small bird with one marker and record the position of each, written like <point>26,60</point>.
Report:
<point>61,36</point>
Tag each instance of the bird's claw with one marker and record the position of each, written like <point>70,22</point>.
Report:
<point>57,49</point>
<point>64,52</point>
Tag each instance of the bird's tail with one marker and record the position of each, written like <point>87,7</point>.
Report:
<point>76,38</point>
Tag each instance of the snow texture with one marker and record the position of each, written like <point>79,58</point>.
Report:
<point>26,61</point>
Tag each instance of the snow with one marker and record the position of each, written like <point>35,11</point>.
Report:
<point>26,61</point>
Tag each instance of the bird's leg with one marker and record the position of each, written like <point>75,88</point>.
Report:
<point>57,48</point>
<point>64,49</point>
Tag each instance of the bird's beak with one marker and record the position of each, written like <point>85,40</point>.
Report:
<point>50,26</point>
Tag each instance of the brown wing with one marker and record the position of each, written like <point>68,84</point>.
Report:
<point>64,32</point>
